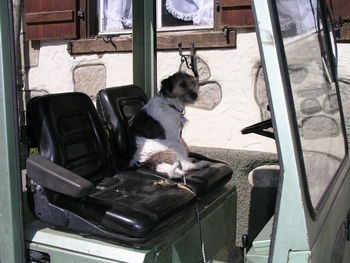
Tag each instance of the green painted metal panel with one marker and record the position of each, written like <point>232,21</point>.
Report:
<point>11,245</point>
<point>144,45</point>
<point>291,225</point>
<point>323,247</point>
<point>259,252</point>
<point>62,255</point>
<point>299,257</point>
<point>295,229</point>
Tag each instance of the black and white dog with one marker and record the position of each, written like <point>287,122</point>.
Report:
<point>156,129</point>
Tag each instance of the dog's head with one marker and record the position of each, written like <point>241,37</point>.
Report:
<point>181,86</point>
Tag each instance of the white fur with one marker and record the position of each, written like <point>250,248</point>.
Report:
<point>172,122</point>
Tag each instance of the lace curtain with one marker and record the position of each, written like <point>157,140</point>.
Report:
<point>118,13</point>
<point>199,11</point>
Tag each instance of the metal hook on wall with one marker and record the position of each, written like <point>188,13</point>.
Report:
<point>192,55</point>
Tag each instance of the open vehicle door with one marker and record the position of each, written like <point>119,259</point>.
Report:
<point>311,222</point>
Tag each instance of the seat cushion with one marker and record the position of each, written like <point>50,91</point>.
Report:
<point>201,181</point>
<point>131,203</point>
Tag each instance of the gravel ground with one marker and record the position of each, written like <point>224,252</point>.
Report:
<point>255,206</point>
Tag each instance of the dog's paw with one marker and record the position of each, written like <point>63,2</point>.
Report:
<point>188,166</point>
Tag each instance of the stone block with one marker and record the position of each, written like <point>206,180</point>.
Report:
<point>89,79</point>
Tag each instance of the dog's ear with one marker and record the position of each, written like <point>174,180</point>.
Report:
<point>167,86</point>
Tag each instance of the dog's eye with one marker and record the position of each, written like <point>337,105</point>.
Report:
<point>183,84</point>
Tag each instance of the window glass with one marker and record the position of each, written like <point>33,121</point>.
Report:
<point>314,91</point>
<point>116,15</point>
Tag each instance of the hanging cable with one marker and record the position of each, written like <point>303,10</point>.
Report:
<point>204,258</point>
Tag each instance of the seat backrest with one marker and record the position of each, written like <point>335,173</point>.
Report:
<point>67,131</point>
<point>117,106</point>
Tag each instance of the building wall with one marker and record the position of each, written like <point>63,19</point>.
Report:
<point>243,101</point>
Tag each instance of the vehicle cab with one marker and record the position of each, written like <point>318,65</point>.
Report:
<point>56,211</point>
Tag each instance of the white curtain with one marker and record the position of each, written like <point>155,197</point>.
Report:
<point>199,11</point>
<point>117,14</point>
<point>298,13</point>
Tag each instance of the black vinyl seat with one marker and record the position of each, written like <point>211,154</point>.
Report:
<point>73,186</point>
<point>117,106</point>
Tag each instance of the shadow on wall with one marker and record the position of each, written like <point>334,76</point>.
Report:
<point>260,93</point>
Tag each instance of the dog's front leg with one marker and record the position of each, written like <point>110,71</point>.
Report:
<point>186,163</point>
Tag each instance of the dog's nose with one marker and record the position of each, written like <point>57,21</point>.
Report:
<point>193,95</point>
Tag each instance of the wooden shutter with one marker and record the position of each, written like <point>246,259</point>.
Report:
<point>50,19</point>
<point>234,14</point>
<point>340,9</point>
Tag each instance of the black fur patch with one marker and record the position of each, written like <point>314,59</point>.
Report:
<point>144,125</point>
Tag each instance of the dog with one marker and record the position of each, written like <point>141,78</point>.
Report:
<point>156,129</point>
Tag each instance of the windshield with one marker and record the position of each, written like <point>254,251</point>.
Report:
<point>312,74</point>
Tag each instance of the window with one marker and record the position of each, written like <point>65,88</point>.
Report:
<point>115,16</point>
<point>310,60</point>
<point>184,14</point>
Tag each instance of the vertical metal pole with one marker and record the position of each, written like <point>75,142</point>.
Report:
<point>144,35</point>
<point>11,227</point>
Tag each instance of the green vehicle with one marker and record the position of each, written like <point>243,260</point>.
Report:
<point>49,213</point>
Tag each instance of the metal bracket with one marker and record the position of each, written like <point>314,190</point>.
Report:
<point>193,64</point>
<point>70,47</point>
<point>80,14</point>
<point>226,31</point>
<point>217,5</point>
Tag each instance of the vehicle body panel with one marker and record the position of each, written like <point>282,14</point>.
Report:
<point>297,226</point>
<point>182,244</point>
